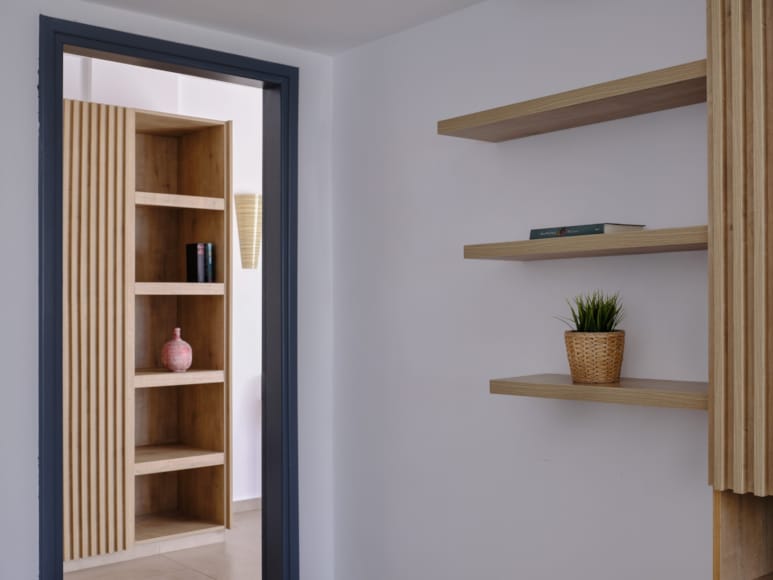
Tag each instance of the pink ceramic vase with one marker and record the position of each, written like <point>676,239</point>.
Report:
<point>177,354</point>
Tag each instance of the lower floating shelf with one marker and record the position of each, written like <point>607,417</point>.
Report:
<point>646,392</point>
<point>159,526</point>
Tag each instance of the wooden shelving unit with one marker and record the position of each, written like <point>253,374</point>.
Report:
<point>162,458</point>
<point>658,90</point>
<point>641,242</point>
<point>645,392</point>
<point>181,423</point>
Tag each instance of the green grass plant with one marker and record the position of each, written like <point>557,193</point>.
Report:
<point>594,312</point>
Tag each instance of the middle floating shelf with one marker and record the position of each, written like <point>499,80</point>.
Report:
<point>645,392</point>
<point>639,242</point>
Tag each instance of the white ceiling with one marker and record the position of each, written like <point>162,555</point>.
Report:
<point>327,26</point>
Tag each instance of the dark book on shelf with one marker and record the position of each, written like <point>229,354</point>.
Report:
<point>582,230</point>
<point>200,261</point>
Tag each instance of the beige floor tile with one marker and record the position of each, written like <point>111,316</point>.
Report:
<point>238,558</point>
<point>153,568</point>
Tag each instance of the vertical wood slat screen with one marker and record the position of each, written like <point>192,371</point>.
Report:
<point>96,455</point>
<point>740,245</point>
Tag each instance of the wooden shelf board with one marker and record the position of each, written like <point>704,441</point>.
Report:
<point>646,392</point>
<point>152,527</point>
<point>162,458</point>
<point>181,201</point>
<point>179,289</point>
<point>666,88</point>
<point>171,125</point>
<point>639,242</point>
<point>146,378</point>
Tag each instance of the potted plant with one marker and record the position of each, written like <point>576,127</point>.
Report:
<point>594,346</point>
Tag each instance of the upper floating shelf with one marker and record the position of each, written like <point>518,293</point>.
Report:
<point>640,242</point>
<point>658,90</point>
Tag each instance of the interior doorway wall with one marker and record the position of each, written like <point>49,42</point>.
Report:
<point>279,412</point>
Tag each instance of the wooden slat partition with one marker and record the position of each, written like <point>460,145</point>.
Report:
<point>97,460</point>
<point>740,245</point>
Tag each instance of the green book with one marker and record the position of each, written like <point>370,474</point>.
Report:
<point>583,230</point>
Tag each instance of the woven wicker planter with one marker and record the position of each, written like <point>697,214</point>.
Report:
<point>595,357</point>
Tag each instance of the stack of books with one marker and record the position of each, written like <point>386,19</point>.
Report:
<point>582,230</point>
<point>200,262</point>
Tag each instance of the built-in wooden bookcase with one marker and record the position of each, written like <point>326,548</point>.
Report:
<point>147,451</point>
<point>181,421</point>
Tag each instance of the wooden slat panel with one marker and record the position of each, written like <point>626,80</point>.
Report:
<point>759,319</point>
<point>102,298</point>
<point>110,329</point>
<point>129,178</point>
<point>93,273</point>
<point>83,346</point>
<point>740,246</point>
<point>74,281</point>
<point>66,380</point>
<point>94,383</point>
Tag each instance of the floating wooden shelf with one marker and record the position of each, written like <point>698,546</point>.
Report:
<point>666,88</point>
<point>158,526</point>
<point>147,378</point>
<point>647,392</point>
<point>178,289</point>
<point>182,201</point>
<point>641,242</point>
<point>162,458</point>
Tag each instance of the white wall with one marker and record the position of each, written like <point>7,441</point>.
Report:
<point>18,307</point>
<point>436,478</point>
<point>115,83</point>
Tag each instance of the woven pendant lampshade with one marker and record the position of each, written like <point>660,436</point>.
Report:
<point>249,218</point>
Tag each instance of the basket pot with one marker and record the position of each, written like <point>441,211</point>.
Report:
<point>595,357</point>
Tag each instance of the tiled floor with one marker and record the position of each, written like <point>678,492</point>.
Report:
<point>236,559</point>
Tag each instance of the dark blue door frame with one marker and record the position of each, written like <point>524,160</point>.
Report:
<point>280,168</point>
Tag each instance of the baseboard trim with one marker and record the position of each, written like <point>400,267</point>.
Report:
<point>247,505</point>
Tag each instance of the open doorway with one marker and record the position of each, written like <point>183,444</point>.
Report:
<point>180,440</point>
<point>279,123</point>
